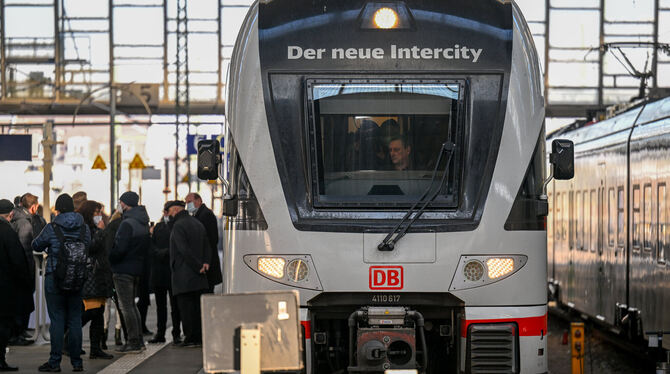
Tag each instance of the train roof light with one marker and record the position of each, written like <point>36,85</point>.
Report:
<point>272,266</point>
<point>499,266</point>
<point>386,18</point>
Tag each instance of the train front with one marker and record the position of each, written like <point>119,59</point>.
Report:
<point>386,159</point>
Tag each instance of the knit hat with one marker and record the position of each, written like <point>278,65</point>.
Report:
<point>64,204</point>
<point>6,206</point>
<point>130,198</point>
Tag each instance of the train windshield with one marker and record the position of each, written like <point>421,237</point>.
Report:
<point>376,144</point>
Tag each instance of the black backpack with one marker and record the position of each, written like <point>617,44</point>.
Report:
<point>71,268</point>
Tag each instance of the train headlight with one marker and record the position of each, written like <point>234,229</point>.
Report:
<point>499,267</point>
<point>481,270</point>
<point>386,15</point>
<point>473,271</point>
<point>296,271</point>
<point>386,18</point>
<point>272,266</point>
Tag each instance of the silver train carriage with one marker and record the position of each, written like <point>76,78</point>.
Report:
<point>608,233</point>
<point>386,159</point>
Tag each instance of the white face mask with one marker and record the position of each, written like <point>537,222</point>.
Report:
<point>119,208</point>
<point>166,219</point>
<point>97,219</point>
<point>190,207</point>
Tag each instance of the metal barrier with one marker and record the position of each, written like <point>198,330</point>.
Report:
<point>41,326</point>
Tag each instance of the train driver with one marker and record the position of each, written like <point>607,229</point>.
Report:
<point>399,151</point>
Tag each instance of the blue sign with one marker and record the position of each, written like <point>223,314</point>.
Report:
<point>192,142</point>
<point>16,147</point>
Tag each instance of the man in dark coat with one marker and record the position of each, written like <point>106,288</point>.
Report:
<point>189,262</point>
<point>205,215</point>
<point>128,257</point>
<point>27,225</point>
<point>161,282</point>
<point>14,276</point>
<point>64,308</point>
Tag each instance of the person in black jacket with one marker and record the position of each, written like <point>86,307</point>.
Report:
<point>205,215</point>
<point>189,262</point>
<point>64,307</point>
<point>161,282</point>
<point>128,255</point>
<point>110,234</point>
<point>99,284</point>
<point>14,274</point>
<point>27,225</point>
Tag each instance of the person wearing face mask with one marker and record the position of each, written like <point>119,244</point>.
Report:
<point>99,285</point>
<point>189,262</point>
<point>128,257</point>
<point>202,213</point>
<point>161,280</point>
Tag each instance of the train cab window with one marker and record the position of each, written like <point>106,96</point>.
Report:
<point>594,221</point>
<point>648,225</point>
<point>579,232</point>
<point>662,223</point>
<point>621,219</point>
<point>377,144</point>
<point>637,226</point>
<point>611,216</point>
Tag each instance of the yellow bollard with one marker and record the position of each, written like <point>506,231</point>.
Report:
<point>577,347</point>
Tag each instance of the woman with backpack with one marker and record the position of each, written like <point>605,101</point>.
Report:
<point>99,285</point>
<point>66,241</point>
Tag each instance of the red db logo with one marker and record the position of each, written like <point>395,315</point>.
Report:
<point>386,278</point>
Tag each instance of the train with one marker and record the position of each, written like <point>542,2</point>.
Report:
<point>608,234</point>
<point>387,160</point>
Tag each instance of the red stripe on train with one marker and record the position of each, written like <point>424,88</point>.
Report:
<point>528,326</point>
<point>308,329</point>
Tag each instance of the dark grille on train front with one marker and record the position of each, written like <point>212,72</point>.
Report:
<point>492,348</point>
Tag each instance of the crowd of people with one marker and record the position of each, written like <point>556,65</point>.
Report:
<point>97,264</point>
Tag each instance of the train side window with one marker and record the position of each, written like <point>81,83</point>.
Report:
<point>637,228</point>
<point>566,217</point>
<point>559,216</point>
<point>611,209</point>
<point>571,221</point>
<point>662,223</point>
<point>550,216</point>
<point>621,218</point>
<point>579,230</point>
<point>594,221</point>
<point>647,214</point>
<point>587,221</point>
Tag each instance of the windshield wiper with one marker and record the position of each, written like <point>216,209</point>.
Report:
<point>388,244</point>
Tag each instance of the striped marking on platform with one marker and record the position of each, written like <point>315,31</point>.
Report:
<point>129,361</point>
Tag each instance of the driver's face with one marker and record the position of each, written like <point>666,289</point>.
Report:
<point>399,154</point>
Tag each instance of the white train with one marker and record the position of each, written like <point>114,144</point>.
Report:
<point>387,160</point>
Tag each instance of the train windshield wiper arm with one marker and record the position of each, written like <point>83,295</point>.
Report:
<point>388,244</point>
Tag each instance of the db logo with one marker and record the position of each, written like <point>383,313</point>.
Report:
<point>386,278</point>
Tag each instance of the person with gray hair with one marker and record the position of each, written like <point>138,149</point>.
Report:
<point>14,276</point>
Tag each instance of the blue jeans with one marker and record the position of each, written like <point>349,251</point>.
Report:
<point>64,311</point>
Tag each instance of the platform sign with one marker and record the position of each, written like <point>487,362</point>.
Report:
<point>137,162</point>
<point>99,163</point>
<point>16,147</point>
<point>192,142</point>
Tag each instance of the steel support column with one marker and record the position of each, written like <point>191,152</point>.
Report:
<point>182,102</point>
<point>547,7</point>
<point>601,53</point>
<point>113,163</point>
<point>654,62</point>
